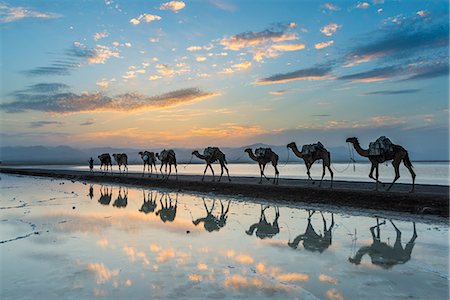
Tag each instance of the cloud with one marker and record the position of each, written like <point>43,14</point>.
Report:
<point>323,44</point>
<point>223,5</point>
<point>57,68</point>
<point>100,35</point>
<point>39,124</point>
<point>88,122</point>
<point>147,18</point>
<point>251,39</point>
<point>330,29</point>
<point>98,101</point>
<point>242,66</point>
<point>423,13</point>
<point>174,6</point>
<point>102,83</point>
<point>401,41</point>
<point>288,47</point>
<point>281,92</point>
<point>330,6</point>
<point>315,73</point>
<point>392,92</point>
<point>43,88</point>
<point>10,14</point>
<point>198,48</point>
<point>101,54</point>
<point>362,5</point>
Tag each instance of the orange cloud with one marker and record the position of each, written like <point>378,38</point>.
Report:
<point>102,273</point>
<point>323,44</point>
<point>330,29</point>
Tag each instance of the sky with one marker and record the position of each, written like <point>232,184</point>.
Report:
<point>151,74</point>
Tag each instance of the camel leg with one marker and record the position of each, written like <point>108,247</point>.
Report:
<point>176,172</point>
<point>228,174</point>
<point>396,164</point>
<point>204,172</point>
<point>376,176</point>
<point>170,171</point>
<point>277,174</point>
<point>210,166</point>
<point>323,173</point>
<point>413,175</point>
<point>263,169</point>
<point>261,173</point>
<point>331,174</point>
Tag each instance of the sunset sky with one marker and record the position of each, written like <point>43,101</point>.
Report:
<point>226,73</point>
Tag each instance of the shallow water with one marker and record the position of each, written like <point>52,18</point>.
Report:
<point>63,239</point>
<point>427,172</point>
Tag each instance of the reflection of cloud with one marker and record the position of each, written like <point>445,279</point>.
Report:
<point>173,6</point>
<point>103,242</point>
<point>292,277</point>
<point>315,73</point>
<point>327,278</point>
<point>195,277</point>
<point>133,255</point>
<point>334,294</point>
<point>102,273</point>
<point>98,101</point>
<point>12,14</point>
<point>244,259</point>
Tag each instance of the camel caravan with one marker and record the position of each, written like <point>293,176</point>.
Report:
<point>378,152</point>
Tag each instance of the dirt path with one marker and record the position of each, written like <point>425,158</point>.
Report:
<point>428,199</point>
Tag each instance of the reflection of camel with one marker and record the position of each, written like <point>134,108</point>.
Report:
<point>397,155</point>
<point>149,205</point>
<point>262,157</point>
<point>105,161</point>
<point>313,241</point>
<point>149,160</point>
<point>211,155</point>
<point>121,201</point>
<point>167,211</point>
<point>310,158</point>
<point>263,228</point>
<point>382,254</point>
<point>121,159</point>
<point>91,191</point>
<point>167,157</point>
<point>105,195</point>
<point>212,222</point>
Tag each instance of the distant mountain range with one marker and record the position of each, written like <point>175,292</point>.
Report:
<point>69,155</point>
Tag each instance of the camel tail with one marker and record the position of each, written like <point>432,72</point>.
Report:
<point>407,161</point>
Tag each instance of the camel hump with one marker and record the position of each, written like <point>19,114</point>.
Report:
<point>210,151</point>
<point>381,146</point>
<point>311,148</point>
<point>261,152</point>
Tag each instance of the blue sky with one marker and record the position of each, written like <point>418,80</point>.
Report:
<point>226,73</point>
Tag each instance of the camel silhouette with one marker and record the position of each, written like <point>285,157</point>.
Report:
<point>149,160</point>
<point>121,201</point>
<point>382,254</point>
<point>263,228</point>
<point>262,157</point>
<point>105,162</point>
<point>211,155</point>
<point>312,241</point>
<point>212,222</point>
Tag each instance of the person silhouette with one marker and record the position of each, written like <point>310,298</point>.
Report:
<point>91,165</point>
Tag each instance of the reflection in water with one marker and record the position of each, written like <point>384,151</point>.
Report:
<point>91,191</point>
<point>167,211</point>
<point>121,201</point>
<point>105,195</point>
<point>212,222</point>
<point>313,241</point>
<point>383,254</point>
<point>263,228</point>
<point>148,205</point>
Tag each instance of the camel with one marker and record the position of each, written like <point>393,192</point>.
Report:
<point>167,211</point>
<point>311,240</point>
<point>105,161</point>
<point>121,159</point>
<point>397,155</point>
<point>263,228</point>
<point>212,222</point>
<point>262,157</point>
<point>382,254</point>
<point>211,155</point>
<point>105,195</point>
<point>167,157</point>
<point>310,158</point>
<point>149,205</point>
<point>121,201</point>
<point>149,160</point>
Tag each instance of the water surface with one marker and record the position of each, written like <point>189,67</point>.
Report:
<point>64,239</point>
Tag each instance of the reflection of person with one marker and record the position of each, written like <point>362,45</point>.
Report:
<point>263,228</point>
<point>91,191</point>
<point>382,254</point>
<point>91,165</point>
<point>313,241</point>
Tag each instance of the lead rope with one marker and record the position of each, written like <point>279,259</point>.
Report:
<point>287,160</point>
<point>192,156</point>
<point>351,155</point>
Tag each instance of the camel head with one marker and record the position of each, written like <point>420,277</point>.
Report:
<point>115,155</point>
<point>140,153</point>
<point>352,140</point>
<point>195,152</point>
<point>290,145</point>
<point>248,150</point>
<point>157,155</point>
